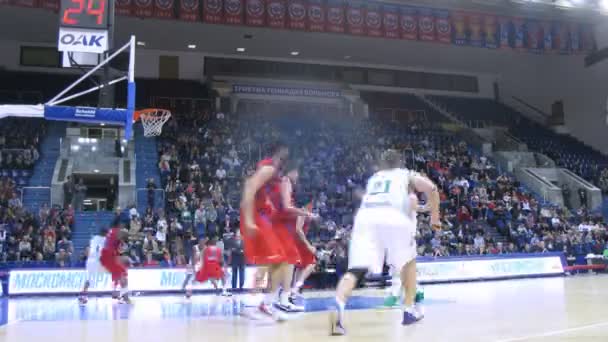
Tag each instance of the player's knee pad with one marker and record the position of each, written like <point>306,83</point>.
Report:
<point>358,272</point>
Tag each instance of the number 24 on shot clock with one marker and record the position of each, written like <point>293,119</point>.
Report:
<point>83,25</point>
<point>90,14</point>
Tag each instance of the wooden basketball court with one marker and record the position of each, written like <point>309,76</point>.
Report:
<point>549,309</point>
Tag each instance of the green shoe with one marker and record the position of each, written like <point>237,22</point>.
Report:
<point>391,301</point>
<point>419,296</point>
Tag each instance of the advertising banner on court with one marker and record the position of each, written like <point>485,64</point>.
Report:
<point>488,268</point>
<point>140,280</point>
<point>284,91</point>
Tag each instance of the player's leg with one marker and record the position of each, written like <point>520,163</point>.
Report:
<point>276,274</point>
<point>121,271</point>
<point>187,284</point>
<point>402,255</point>
<point>365,254</point>
<point>301,275</point>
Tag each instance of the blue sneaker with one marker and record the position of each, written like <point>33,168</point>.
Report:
<point>411,317</point>
<point>335,325</point>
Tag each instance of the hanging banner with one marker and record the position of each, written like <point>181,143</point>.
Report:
<point>444,26</point>
<point>25,3</point>
<point>296,14</point>
<point>233,12</point>
<point>562,38</point>
<point>533,35</point>
<point>124,7</point>
<point>409,23</point>
<point>588,38</point>
<point>460,27</point>
<point>547,36</point>
<point>255,12</point>
<point>504,34</point>
<point>475,31</point>
<point>213,11</point>
<point>335,16</point>
<point>189,10</point>
<point>316,16</point>
<point>519,33</point>
<point>163,9</point>
<point>144,8</point>
<point>426,25</point>
<point>276,13</point>
<point>52,5</point>
<point>490,31</point>
<point>390,21</point>
<point>373,20</point>
<point>355,17</point>
<point>575,42</point>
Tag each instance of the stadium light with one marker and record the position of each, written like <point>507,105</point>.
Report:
<point>240,49</point>
<point>295,53</point>
<point>604,5</point>
<point>191,46</point>
<point>141,43</point>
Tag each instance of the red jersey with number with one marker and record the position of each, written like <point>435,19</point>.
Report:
<point>268,197</point>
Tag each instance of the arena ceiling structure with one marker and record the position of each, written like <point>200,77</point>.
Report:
<point>40,26</point>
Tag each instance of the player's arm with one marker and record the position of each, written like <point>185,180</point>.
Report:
<point>252,185</point>
<point>288,207</point>
<point>300,233</point>
<point>426,186</point>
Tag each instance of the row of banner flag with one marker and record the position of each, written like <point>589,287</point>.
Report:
<point>365,18</point>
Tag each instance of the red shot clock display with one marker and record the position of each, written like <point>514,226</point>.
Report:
<point>90,14</point>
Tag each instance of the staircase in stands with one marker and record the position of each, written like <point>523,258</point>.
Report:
<point>146,159</point>
<point>38,190</point>
<point>87,224</point>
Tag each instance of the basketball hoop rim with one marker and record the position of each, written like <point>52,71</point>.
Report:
<point>137,114</point>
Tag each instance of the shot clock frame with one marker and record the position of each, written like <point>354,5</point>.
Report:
<point>89,14</point>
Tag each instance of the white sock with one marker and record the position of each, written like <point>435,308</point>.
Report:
<point>284,298</point>
<point>124,291</point>
<point>396,287</point>
<point>341,307</point>
<point>298,285</point>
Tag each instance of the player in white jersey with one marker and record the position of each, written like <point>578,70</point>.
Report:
<point>93,265</point>
<point>193,266</point>
<point>382,225</point>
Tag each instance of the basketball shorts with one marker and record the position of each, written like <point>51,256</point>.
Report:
<point>285,231</point>
<point>211,271</point>
<point>380,232</point>
<point>113,264</point>
<point>263,247</point>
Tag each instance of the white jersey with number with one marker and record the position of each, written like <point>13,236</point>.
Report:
<point>93,266</point>
<point>95,247</point>
<point>389,189</point>
<point>384,227</point>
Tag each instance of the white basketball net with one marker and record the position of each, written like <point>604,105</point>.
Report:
<point>153,121</point>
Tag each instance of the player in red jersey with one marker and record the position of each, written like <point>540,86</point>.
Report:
<point>261,194</point>
<point>212,267</point>
<point>285,225</point>
<point>111,261</point>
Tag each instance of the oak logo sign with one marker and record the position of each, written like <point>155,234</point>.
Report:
<point>83,40</point>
